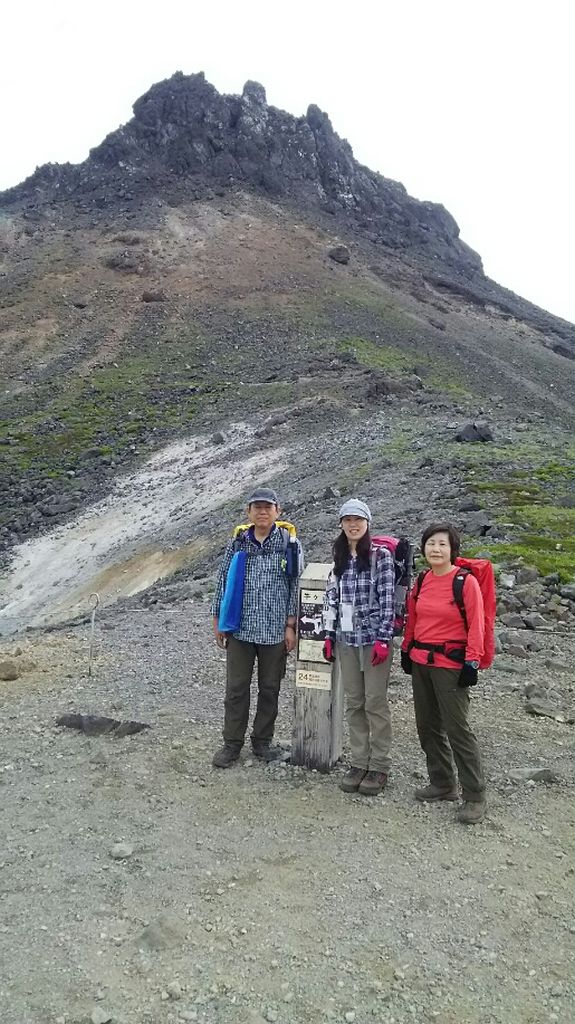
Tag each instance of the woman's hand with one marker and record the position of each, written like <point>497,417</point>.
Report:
<point>379,653</point>
<point>406,662</point>
<point>328,650</point>
<point>468,674</point>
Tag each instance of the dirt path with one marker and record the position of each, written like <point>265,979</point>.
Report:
<point>266,893</point>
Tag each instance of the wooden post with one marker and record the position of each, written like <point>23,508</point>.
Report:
<point>318,723</point>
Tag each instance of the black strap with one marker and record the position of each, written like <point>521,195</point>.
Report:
<point>456,654</point>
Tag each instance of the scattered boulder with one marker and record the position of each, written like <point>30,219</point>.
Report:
<point>340,254</point>
<point>517,651</point>
<point>217,438</point>
<point>154,296</point>
<point>8,670</point>
<point>98,725</point>
<point>545,709</point>
<point>100,1016</point>
<point>474,432</point>
<point>513,620</point>
<point>507,580</point>
<point>533,775</point>
<point>568,591</point>
<point>527,574</point>
<point>165,932</point>
<point>121,851</point>
<point>535,621</point>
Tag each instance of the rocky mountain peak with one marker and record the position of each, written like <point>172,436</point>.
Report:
<point>183,128</point>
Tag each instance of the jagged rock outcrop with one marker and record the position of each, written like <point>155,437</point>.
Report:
<point>184,128</point>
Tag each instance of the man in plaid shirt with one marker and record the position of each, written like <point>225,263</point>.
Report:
<point>267,630</point>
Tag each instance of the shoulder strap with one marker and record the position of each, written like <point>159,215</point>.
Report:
<point>373,565</point>
<point>458,584</point>
<point>418,583</point>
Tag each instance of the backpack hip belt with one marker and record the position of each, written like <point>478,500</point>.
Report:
<point>455,653</point>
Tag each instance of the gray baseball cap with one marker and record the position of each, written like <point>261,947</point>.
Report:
<point>355,507</point>
<point>263,494</point>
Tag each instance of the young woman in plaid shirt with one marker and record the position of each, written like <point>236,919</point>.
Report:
<point>359,636</point>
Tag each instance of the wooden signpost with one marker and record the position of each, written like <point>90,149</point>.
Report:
<point>318,721</point>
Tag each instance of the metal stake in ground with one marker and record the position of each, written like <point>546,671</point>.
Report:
<point>96,599</point>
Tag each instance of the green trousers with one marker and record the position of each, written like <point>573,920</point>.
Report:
<point>442,719</point>
<point>240,660</point>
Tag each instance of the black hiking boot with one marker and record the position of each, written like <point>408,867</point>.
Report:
<point>266,752</point>
<point>226,756</point>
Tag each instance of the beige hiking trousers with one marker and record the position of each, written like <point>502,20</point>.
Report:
<point>367,710</point>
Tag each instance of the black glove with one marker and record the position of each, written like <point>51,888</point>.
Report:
<point>406,662</point>
<point>468,674</point>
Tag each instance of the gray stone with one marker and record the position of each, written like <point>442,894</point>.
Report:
<point>513,620</point>
<point>517,651</point>
<point>535,621</point>
<point>568,591</point>
<point>504,665</point>
<point>533,774</point>
<point>121,851</point>
<point>217,438</point>
<point>556,666</point>
<point>340,254</point>
<point>507,580</point>
<point>174,990</point>
<point>8,670</point>
<point>100,1016</point>
<point>165,932</point>
<point>542,708</point>
<point>474,432</point>
<point>527,574</point>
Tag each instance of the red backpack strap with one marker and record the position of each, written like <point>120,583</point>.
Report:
<point>458,584</point>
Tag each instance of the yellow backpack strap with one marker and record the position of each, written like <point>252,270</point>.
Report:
<point>283,524</point>
<point>241,528</point>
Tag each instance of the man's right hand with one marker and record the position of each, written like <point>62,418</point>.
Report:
<point>221,638</point>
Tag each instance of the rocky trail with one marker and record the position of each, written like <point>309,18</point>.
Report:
<point>146,886</point>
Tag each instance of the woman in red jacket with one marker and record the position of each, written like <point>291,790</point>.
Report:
<point>441,652</point>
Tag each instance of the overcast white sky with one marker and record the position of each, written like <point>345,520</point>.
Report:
<point>467,103</point>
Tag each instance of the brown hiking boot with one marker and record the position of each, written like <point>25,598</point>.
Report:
<point>373,783</point>
<point>471,812</point>
<point>226,756</point>
<point>432,793</point>
<point>351,780</point>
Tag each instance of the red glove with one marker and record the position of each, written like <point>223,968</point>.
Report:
<point>328,652</point>
<point>379,653</point>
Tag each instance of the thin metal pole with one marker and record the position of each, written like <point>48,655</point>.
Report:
<point>96,599</point>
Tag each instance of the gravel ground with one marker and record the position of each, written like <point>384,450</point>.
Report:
<point>141,886</point>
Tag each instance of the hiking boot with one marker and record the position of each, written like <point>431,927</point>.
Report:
<point>471,812</point>
<point>266,751</point>
<point>351,780</point>
<point>226,756</point>
<point>373,783</point>
<point>432,793</point>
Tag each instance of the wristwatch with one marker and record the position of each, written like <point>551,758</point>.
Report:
<point>472,664</point>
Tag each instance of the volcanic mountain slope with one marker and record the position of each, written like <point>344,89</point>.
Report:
<point>219,265</point>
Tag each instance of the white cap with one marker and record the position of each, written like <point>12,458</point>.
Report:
<point>355,507</point>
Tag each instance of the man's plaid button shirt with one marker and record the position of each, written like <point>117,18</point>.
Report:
<point>270,595</point>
